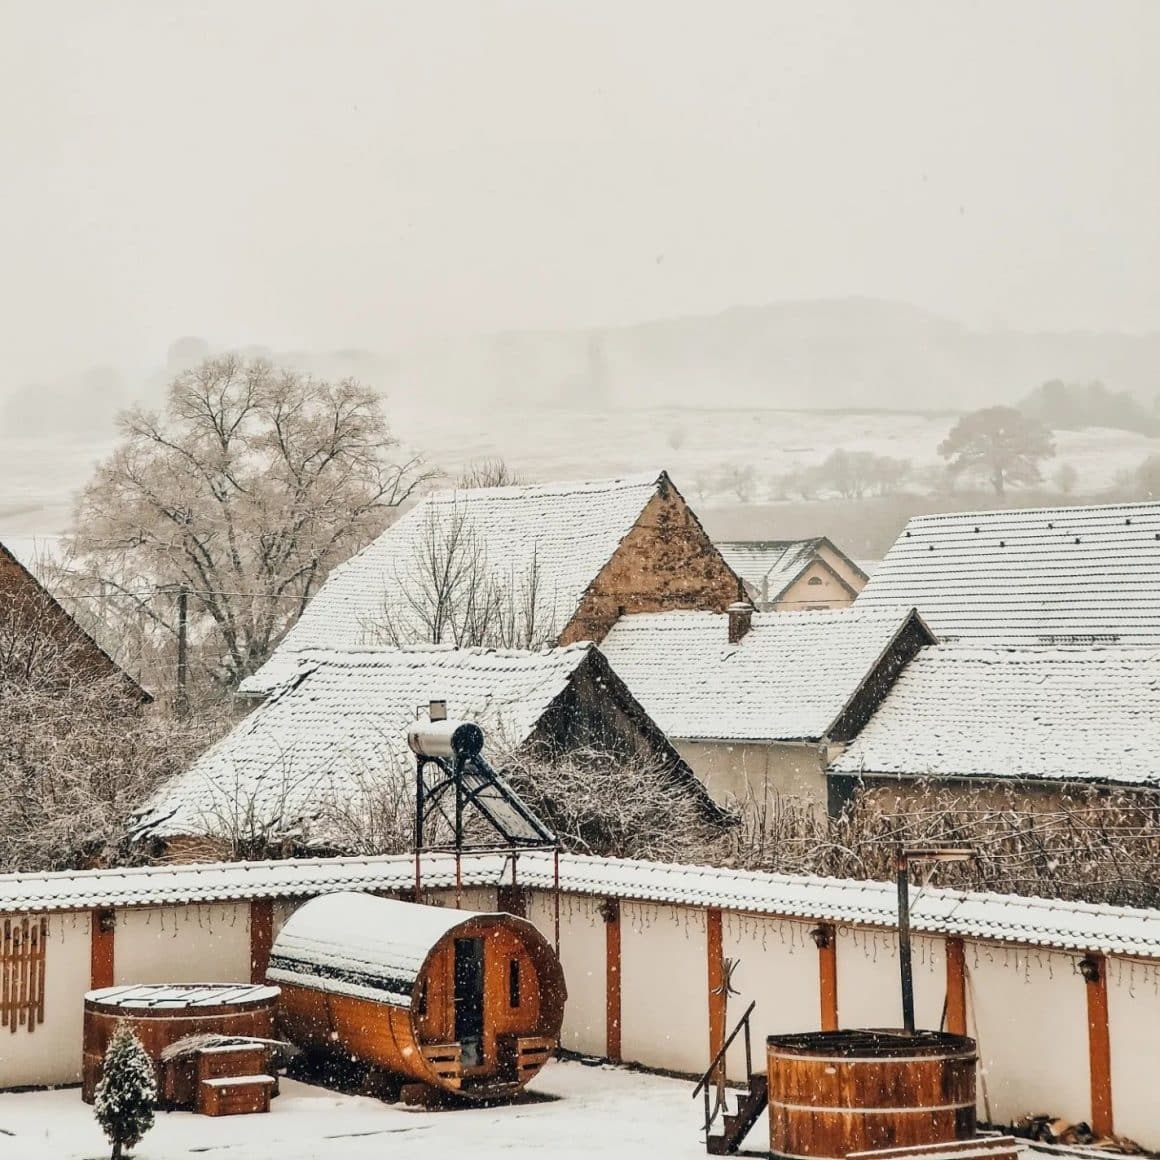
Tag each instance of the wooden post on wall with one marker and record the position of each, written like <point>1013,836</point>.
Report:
<point>1094,969</point>
<point>102,932</point>
<point>956,986</point>
<point>261,937</point>
<point>827,939</point>
<point>716,964</point>
<point>611,911</point>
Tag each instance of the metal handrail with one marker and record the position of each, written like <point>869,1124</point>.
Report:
<point>718,1062</point>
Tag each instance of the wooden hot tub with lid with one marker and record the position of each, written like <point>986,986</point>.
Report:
<point>836,1092</point>
<point>463,1002</point>
<point>161,1014</point>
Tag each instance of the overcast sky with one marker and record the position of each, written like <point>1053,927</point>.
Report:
<point>300,173</point>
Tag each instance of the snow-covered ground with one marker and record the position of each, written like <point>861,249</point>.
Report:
<point>581,1112</point>
<point>39,475</point>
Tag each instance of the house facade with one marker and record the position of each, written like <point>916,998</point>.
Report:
<point>761,703</point>
<point>795,575</point>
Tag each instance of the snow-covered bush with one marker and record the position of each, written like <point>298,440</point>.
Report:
<point>127,1092</point>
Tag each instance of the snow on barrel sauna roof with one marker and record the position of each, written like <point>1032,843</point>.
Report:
<point>360,945</point>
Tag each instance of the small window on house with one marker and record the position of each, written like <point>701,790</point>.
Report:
<point>421,1006</point>
<point>22,945</point>
<point>814,580</point>
<point>514,983</point>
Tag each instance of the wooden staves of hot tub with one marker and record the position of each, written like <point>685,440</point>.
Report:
<point>463,1002</point>
<point>836,1092</point>
<point>161,1014</point>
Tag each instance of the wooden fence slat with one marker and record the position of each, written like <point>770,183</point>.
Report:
<point>41,980</point>
<point>5,973</point>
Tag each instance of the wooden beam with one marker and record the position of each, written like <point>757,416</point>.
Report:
<point>612,979</point>
<point>716,978</point>
<point>261,937</point>
<point>828,977</point>
<point>102,940</point>
<point>956,955</point>
<point>1099,1043</point>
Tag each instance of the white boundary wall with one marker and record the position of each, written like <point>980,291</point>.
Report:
<point>1026,1006</point>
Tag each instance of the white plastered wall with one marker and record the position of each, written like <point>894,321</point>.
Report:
<point>583,957</point>
<point>51,1052</point>
<point>1028,1011</point>
<point>870,979</point>
<point>1134,1026</point>
<point>183,944</point>
<point>664,990</point>
<point>776,966</point>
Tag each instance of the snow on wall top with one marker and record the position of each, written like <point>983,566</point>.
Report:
<point>338,731</point>
<point>769,567</point>
<point>563,532</point>
<point>355,944</point>
<point>1036,713</point>
<point>1073,926</point>
<point>1043,576</point>
<point>789,678</point>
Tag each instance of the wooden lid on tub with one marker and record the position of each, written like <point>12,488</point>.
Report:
<point>142,998</point>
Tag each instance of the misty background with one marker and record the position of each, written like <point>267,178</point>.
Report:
<point>728,239</point>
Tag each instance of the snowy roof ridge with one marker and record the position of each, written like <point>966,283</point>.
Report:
<point>1070,715</point>
<point>541,545</point>
<point>1094,510</point>
<point>1069,926</point>
<point>767,687</point>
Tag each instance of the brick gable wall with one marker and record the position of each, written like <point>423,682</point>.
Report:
<point>665,563</point>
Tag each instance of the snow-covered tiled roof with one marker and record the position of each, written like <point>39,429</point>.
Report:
<point>789,678</point>
<point>769,567</point>
<point>338,731</point>
<point>359,945</point>
<point>1041,576</point>
<point>1036,713</point>
<point>1074,926</point>
<point>562,534</point>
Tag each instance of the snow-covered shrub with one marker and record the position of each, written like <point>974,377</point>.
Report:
<point>127,1092</point>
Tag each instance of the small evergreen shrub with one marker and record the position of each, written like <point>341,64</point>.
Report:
<point>127,1092</point>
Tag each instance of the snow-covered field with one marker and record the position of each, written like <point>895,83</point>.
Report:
<point>582,1112</point>
<point>39,475</point>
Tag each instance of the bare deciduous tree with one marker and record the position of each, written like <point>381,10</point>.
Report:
<point>245,492</point>
<point>78,755</point>
<point>1091,845</point>
<point>615,805</point>
<point>490,471</point>
<point>447,592</point>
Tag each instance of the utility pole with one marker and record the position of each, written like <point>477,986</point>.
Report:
<point>181,703</point>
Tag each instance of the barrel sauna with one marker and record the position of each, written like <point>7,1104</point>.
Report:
<point>162,1014</point>
<point>836,1092</point>
<point>463,1002</point>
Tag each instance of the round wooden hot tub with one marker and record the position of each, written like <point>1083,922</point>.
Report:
<point>836,1092</point>
<point>463,1002</point>
<point>161,1014</point>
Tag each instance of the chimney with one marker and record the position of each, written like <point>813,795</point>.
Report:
<point>740,618</point>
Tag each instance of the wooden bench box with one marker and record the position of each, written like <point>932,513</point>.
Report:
<point>235,1095</point>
